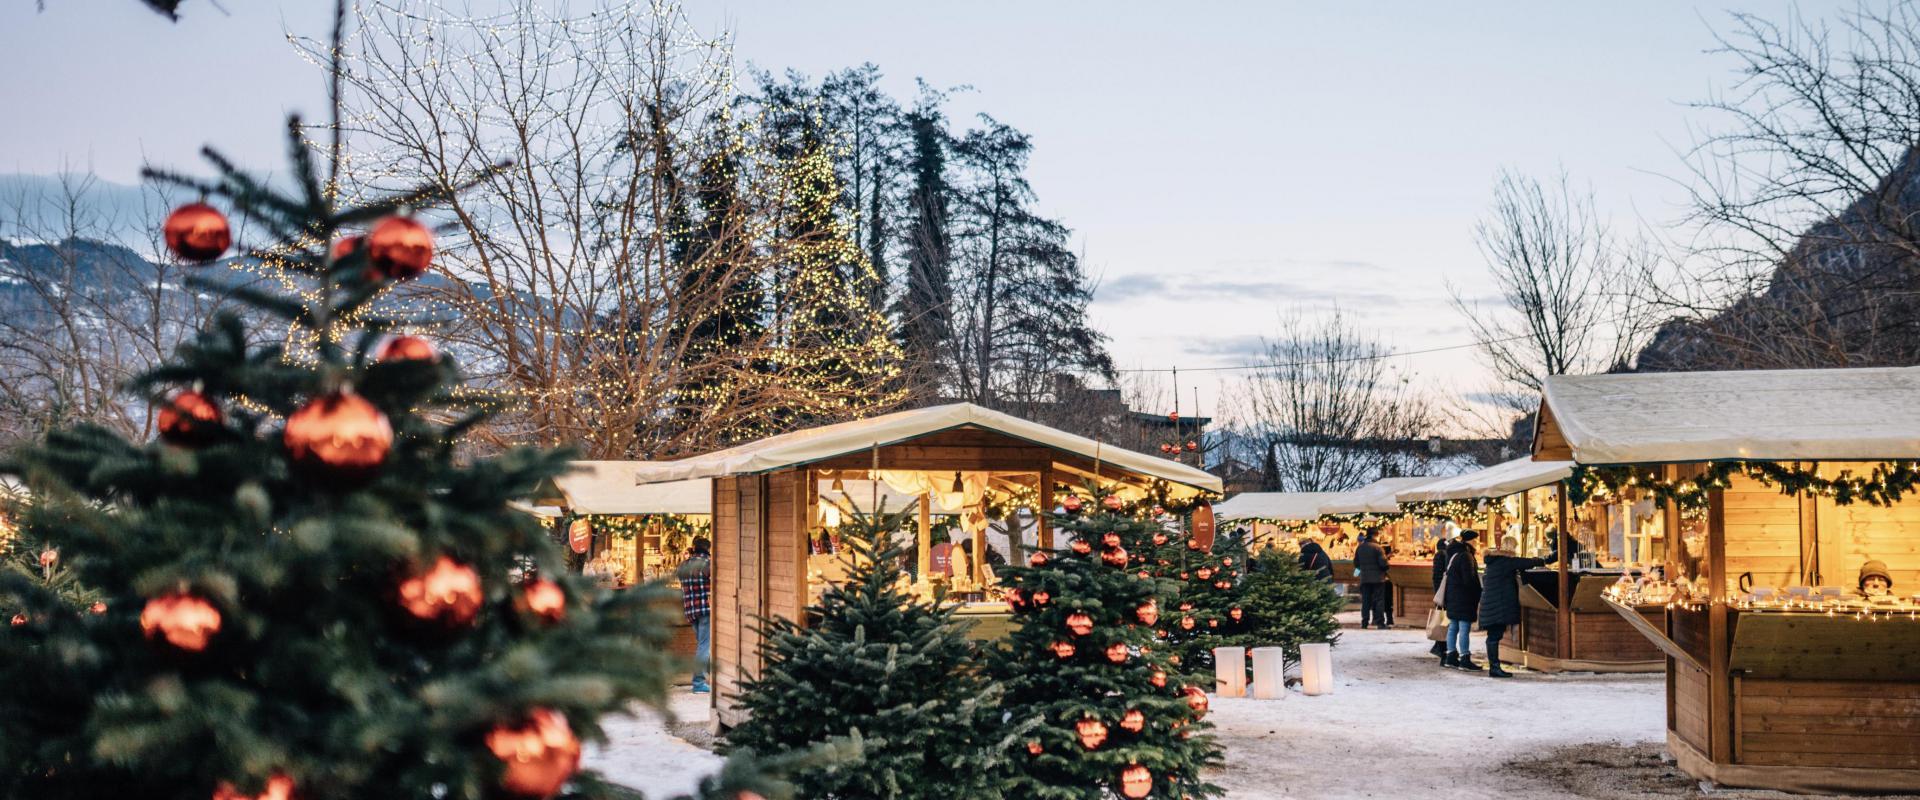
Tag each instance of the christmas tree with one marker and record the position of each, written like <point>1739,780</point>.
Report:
<point>1085,666</point>
<point>1206,603</point>
<point>878,666</point>
<point>309,588</point>
<point>1285,605</point>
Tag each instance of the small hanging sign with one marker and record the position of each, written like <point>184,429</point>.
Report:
<point>1201,527</point>
<point>580,535</point>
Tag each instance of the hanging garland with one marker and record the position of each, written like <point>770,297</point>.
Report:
<point>1885,485</point>
<point>677,531</point>
<point>1442,510</point>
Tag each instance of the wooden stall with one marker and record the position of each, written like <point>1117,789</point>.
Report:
<point>1790,663</point>
<point>1273,519</point>
<point>1409,541</point>
<point>770,519</point>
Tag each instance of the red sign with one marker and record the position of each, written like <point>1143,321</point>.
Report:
<point>1201,527</point>
<point>580,535</point>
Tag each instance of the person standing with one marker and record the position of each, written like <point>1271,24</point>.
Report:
<point>1441,549</point>
<point>1462,601</point>
<point>1313,558</point>
<point>1370,566</point>
<point>1500,597</point>
<point>696,601</point>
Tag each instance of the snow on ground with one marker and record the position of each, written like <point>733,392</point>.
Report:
<point>1395,726</point>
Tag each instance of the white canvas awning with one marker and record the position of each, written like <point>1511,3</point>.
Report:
<point>1374,498</point>
<point>610,487</point>
<point>1274,505</point>
<point>1775,415</point>
<point>830,441</point>
<point>1499,480</point>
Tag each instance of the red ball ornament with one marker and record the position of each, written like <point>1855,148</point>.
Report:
<point>1236,614</point>
<point>399,248</point>
<point>1145,576</point>
<point>1204,573</point>
<point>188,419</point>
<point>339,436</point>
<point>1041,598</point>
<point>1079,623</point>
<point>448,593</point>
<point>1080,546</point>
<point>1034,748</point>
<point>1183,576</point>
<point>1173,417</point>
<point>98,608</point>
<point>1117,557</point>
<point>1136,782</point>
<point>1159,538</point>
<point>1110,539</point>
<point>1186,606</point>
<point>49,557</point>
<point>1133,721</point>
<point>1014,599</point>
<point>1071,503</point>
<point>1112,502</point>
<point>1194,545</point>
<point>1062,649</point>
<point>184,620</point>
<point>1228,561</point>
<point>279,787</point>
<point>197,233</point>
<point>1196,700</point>
<point>1037,559</point>
<point>1159,679</point>
<point>540,754</point>
<point>1192,445</point>
<point>19,620</point>
<point>1148,612</point>
<point>1213,623</point>
<point>1093,732</point>
<point>345,246</point>
<point>1117,653</point>
<point>544,599</point>
<point>1222,585</point>
<point>406,348</point>
<point>1186,623</point>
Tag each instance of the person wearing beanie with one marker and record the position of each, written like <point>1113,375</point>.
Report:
<point>1875,580</point>
<point>1370,566</point>
<point>1462,601</point>
<point>1500,598</point>
<point>1441,549</point>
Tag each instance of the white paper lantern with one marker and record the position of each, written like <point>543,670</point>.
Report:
<point>1269,673</point>
<point>1230,671</point>
<point>1316,668</point>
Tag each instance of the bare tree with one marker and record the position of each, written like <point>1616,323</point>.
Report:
<point>1328,408</point>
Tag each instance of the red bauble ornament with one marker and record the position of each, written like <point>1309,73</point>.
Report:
<point>197,233</point>
<point>1159,679</point>
<point>1117,557</point>
<point>540,754</point>
<point>1222,585</point>
<point>1166,448</point>
<point>1112,502</point>
<point>184,620</point>
<point>406,348</point>
<point>1213,623</point>
<point>1204,573</point>
<point>1117,653</point>
<point>1037,559</point>
<point>1136,782</point>
<point>1173,417</point>
<point>1192,445</point>
<point>1034,748</point>
<point>1080,546</point>
<point>339,436</point>
<point>1110,539</point>
<point>544,599</point>
<point>1194,545</point>
<point>1186,623</point>
<point>1236,614</point>
<point>1071,503</point>
<point>1041,598</point>
<point>1062,649</point>
<point>448,593</point>
<point>1186,606</point>
<point>344,246</point>
<point>49,557</point>
<point>399,248</point>
<point>1079,623</point>
<point>1013,598</point>
<point>1145,576</point>
<point>19,620</point>
<point>1093,732</point>
<point>279,787</point>
<point>1196,700</point>
<point>188,419</point>
<point>1159,538</point>
<point>1228,561</point>
<point>1183,576</point>
<point>1134,721</point>
<point>98,608</point>
<point>1148,612</point>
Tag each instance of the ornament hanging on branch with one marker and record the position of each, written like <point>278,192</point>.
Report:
<point>339,437</point>
<point>544,599</point>
<point>197,233</point>
<point>1063,650</point>
<point>406,347</point>
<point>279,787</point>
<point>1133,721</point>
<point>448,593</point>
<point>1093,732</point>
<point>1079,623</point>
<point>399,248</point>
<point>1148,613</point>
<point>188,419</point>
<point>182,619</point>
<point>1136,782</point>
<point>540,754</point>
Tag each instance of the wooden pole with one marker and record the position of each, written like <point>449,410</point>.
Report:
<point>1564,603</point>
<point>1670,520</point>
<point>1526,521</point>
<point>1810,567</point>
<point>924,550</point>
<point>1720,635</point>
<point>1043,532</point>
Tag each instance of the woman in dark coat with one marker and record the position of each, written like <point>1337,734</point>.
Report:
<point>1500,598</point>
<point>1313,558</point>
<point>1441,549</point>
<point>1462,601</point>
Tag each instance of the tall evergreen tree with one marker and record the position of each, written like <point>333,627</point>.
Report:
<point>925,308</point>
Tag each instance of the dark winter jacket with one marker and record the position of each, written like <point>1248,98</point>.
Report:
<point>1463,585</point>
<point>1370,563</point>
<point>1313,558</point>
<point>1440,553</point>
<point>1500,596</point>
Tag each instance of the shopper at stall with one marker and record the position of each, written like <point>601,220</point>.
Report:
<point>696,590</point>
<point>1370,565</point>
<point>1500,597</point>
<point>1442,547</point>
<point>1875,580</point>
<point>1461,601</point>
<point>1313,558</point>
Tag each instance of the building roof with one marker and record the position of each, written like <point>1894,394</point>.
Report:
<point>610,487</point>
<point>1499,480</point>
<point>1274,505</point>
<point>1774,415</point>
<point>1374,498</point>
<point>831,441</point>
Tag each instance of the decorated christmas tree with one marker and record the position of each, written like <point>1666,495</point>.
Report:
<point>308,588</point>
<point>1206,609</point>
<point>894,673</point>
<point>1084,665</point>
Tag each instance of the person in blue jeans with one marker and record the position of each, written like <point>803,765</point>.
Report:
<point>1462,601</point>
<point>696,601</point>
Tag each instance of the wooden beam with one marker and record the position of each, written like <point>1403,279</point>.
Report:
<point>1043,534</point>
<point>1719,634</point>
<point>924,545</point>
<point>1563,623</point>
<point>1810,568</point>
<point>1670,523</point>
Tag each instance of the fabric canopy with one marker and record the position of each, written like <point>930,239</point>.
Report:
<point>819,444</point>
<point>1777,415</point>
<point>1499,480</point>
<point>1274,505</point>
<point>1374,498</point>
<point>609,487</point>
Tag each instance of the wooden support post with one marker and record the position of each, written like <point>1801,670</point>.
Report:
<point>1526,523</point>
<point>1810,567</point>
<point>1563,611</point>
<point>1670,525</point>
<point>924,547</point>
<point>1720,634</point>
<point>1043,533</point>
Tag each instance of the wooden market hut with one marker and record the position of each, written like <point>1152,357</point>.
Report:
<point>1779,674</point>
<point>1374,506</point>
<point>1271,518</point>
<point>767,504</point>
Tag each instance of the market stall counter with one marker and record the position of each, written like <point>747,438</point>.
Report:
<point>1597,639</point>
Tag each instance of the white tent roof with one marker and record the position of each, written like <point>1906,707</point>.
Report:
<point>1498,480</point>
<point>819,444</point>
<point>1274,505</point>
<point>1760,414</point>
<point>610,487</point>
<point>1374,498</point>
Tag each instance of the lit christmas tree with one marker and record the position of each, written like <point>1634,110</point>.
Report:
<point>1205,607</point>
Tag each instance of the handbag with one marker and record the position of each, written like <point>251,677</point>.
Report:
<point>1437,616</point>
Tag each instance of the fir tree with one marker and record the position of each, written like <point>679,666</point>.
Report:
<point>925,306</point>
<point>1113,717</point>
<point>877,666</point>
<point>1285,605</point>
<point>1207,601</point>
<point>307,583</point>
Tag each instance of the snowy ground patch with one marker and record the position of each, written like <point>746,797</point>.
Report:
<point>641,754</point>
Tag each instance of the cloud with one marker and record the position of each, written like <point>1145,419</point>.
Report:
<point>1203,287</point>
<point>1235,348</point>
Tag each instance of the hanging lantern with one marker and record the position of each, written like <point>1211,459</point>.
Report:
<point>448,593</point>
<point>1117,652</point>
<point>279,787</point>
<point>1135,781</point>
<point>1159,679</point>
<point>540,754</point>
<point>1117,557</point>
<point>1037,559</point>
<point>1148,612</point>
<point>1093,732</point>
<point>1041,598</point>
<point>184,620</point>
<point>1063,649</point>
<point>1080,546</point>
<point>1079,623</point>
<point>1196,700</point>
<point>544,599</point>
<point>1236,614</point>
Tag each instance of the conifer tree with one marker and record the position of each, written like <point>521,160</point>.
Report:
<point>1285,605</point>
<point>894,673</point>
<point>1113,717</point>
<point>309,589</point>
<point>925,307</point>
<point>1207,608</point>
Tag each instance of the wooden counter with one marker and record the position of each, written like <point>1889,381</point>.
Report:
<point>1412,593</point>
<point>1598,639</point>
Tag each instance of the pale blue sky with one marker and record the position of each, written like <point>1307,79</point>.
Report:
<point>1219,162</point>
